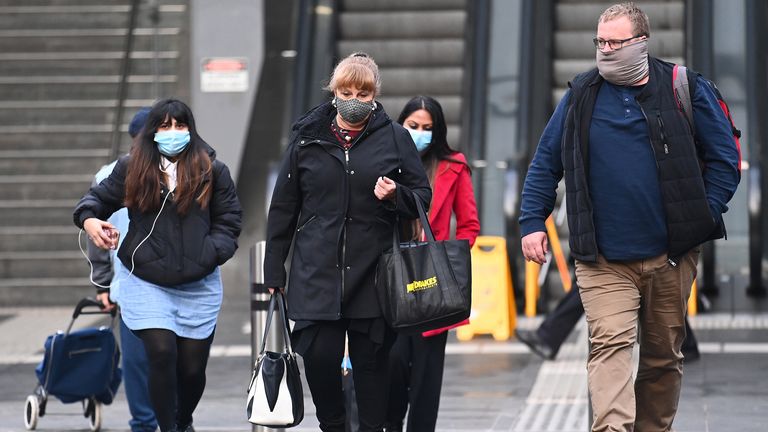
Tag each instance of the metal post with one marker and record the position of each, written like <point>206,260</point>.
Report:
<point>259,305</point>
<point>154,16</point>
<point>590,412</point>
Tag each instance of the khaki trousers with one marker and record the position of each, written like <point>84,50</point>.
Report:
<point>619,299</point>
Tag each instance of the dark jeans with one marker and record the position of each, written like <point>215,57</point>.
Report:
<point>135,369</point>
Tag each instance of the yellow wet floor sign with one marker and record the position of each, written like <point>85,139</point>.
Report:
<point>493,300</point>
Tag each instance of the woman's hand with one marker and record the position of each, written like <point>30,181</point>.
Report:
<point>385,189</point>
<point>103,234</point>
<point>106,304</point>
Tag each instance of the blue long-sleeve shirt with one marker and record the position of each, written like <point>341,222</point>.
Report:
<point>624,189</point>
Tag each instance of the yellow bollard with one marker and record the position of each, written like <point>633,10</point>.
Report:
<point>531,287</point>
<point>692,305</point>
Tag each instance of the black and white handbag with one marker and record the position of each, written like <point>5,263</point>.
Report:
<point>275,397</point>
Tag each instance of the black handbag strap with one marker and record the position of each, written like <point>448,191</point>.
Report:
<point>424,225</point>
<point>277,296</point>
<point>424,220</point>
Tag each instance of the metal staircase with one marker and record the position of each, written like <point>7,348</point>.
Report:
<point>60,68</point>
<point>419,46</point>
<point>576,24</point>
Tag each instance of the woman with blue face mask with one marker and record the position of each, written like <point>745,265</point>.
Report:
<point>185,218</point>
<point>416,361</point>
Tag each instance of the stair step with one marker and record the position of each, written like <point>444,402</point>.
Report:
<point>84,79</point>
<point>40,291</point>
<point>579,45</point>
<point>86,55</point>
<point>37,238</point>
<point>408,52</point>
<point>86,32</point>
<point>46,3</point>
<point>144,66</point>
<point>451,106</point>
<point>67,264</point>
<point>429,5</point>
<point>43,139</point>
<point>663,15</point>
<point>37,213</point>
<point>129,104</point>
<point>401,25</point>
<point>107,42</point>
<point>45,91</point>
<point>86,17</point>
<point>48,9</point>
<point>16,189</point>
<point>63,115</point>
<point>413,81</point>
<point>69,164</point>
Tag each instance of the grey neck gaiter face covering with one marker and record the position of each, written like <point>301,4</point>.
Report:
<point>626,66</point>
<point>353,111</point>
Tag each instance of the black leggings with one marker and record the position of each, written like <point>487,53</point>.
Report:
<point>176,375</point>
<point>322,365</point>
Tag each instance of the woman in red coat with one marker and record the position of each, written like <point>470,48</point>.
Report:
<point>416,361</point>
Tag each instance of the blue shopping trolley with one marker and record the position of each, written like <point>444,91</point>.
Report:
<point>78,366</point>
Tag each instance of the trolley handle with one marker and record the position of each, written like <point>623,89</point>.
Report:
<point>88,302</point>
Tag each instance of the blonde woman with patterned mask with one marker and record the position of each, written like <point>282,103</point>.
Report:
<point>348,174</point>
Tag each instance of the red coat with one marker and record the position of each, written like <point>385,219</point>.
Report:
<point>452,193</point>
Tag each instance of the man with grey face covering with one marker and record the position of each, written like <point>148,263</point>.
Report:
<point>639,204</point>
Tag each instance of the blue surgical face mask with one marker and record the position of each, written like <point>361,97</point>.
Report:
<point>171,143</point>
<point>422,139</point>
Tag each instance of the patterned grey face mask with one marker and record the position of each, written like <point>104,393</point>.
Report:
<point>626,66</point>
<point>353,111</point>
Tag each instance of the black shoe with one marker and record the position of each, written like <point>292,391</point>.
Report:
<point>534,342</point>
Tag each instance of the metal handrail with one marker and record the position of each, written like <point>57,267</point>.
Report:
<point>699,56</point>
<point>122,88</point>
<point>756,111</point>
<point>305,29</point>
<point>475,82</point>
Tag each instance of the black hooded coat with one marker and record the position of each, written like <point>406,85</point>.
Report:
<point>180,249</point>
<point>323,203</point>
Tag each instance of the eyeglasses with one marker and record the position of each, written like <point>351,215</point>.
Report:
<point>613,44</point>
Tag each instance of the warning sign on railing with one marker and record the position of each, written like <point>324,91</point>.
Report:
<point>224,74</point>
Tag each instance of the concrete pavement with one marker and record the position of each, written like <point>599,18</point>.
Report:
<point>488,386</point>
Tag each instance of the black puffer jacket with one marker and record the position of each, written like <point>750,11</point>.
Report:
<point>180,249</point>
<point>324,198</point>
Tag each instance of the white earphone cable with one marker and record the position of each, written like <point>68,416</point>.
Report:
<point>133,265</point>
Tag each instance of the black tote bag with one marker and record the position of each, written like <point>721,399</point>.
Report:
<point>424,285</point>
<point>275,396</point>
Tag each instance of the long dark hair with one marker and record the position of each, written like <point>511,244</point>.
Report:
<point>144,178</point>
<point>439,149</point>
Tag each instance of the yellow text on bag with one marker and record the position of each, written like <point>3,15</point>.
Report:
<point>419,285</point>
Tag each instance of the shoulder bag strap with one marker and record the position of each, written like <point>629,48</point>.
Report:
<point>682,91</point>
<point>284,314</point>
